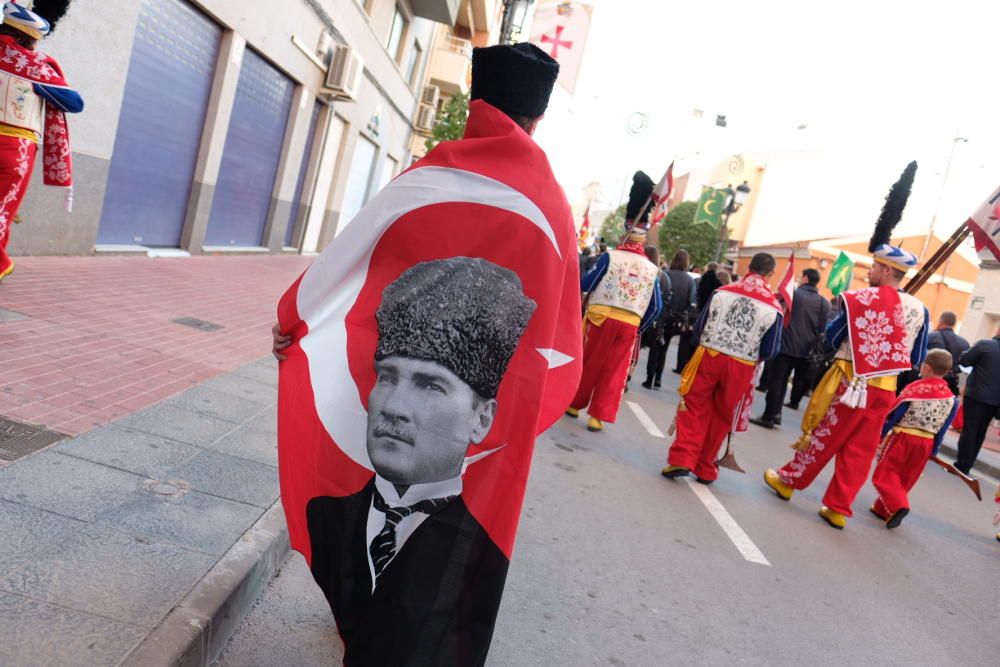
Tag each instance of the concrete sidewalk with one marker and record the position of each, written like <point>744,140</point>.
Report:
<point>139,541</point>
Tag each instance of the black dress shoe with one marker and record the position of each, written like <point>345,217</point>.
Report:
<point>647,384</point>
<point>777,420</point>
<point>706,482</point>
<point>760,421</point>
<point>793,406</point>
<point>657,385</point>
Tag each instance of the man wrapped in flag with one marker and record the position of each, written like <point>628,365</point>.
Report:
<point>423,352</point>
<point>623,298</point>
<point>739,327</point>
<point>33,110</point>
<point>880,333</point>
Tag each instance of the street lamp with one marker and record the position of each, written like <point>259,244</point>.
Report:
<point>734,201</point>
<point>514,13</point>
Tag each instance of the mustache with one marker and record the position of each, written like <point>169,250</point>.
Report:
<point>393,430</point>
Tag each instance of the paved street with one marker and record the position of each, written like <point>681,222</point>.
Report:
<point>616,566</point>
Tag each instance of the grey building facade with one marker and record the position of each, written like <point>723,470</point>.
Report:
<point>209,127</point>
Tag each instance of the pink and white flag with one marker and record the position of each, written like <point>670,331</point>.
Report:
<point>985,224</point>
<point>560,29</point>
<point>786,289</point>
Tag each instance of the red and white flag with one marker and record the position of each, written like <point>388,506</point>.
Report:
<point>560,29</point>
<point>392,389</point>
<point>786,289</point>
<point>661,194</point>
<point>985,224</point>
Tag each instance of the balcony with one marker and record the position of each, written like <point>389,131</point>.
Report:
<point>450,65</point>
<point>441,11</point>
<point>477,15</point>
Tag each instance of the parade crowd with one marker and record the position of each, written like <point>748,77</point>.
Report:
<point>883,388</point>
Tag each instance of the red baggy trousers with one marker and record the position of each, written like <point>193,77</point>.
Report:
<point>853,435</point>
<point>607,353</point>
<point>710,407</point>
<point>17,156</point>
<point>898,470</point>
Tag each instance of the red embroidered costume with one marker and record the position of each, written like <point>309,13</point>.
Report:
<point>738,327</point>
<point>34,99</point>
<point>623,299</point>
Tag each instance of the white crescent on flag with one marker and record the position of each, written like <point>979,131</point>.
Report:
<point>985,224</point>
<point>560,29</point>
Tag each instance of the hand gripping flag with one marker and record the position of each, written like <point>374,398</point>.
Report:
<point>434,339</point>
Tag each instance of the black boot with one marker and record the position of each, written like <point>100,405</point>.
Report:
<point>762,421</point>
<point>648,384</point>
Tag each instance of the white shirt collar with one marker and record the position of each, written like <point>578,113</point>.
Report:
<point>418,492</point>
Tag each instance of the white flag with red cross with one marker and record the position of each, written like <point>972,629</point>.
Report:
<point>661,194</point>
<point>985,224</point>
<point>560,29</point>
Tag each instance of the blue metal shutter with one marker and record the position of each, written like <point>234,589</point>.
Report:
<point>159,130</point>
<point>303,169</point>
<point>250,157</point>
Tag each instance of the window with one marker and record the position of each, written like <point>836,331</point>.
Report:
<point>395,42</point>
<point>413,63</point>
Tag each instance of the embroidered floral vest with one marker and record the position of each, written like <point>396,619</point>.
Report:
<point>19,105</point>
<point>929,415</point>
<point>736,322</point>
<point>913,319</point>
<point>628,283</point>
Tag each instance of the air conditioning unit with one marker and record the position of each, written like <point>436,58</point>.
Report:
<point>430,96</point>
<point>425,118</point>
<point>343,77</point>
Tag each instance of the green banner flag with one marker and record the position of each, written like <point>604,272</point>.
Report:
<point>710,207</point>
<point>841,274</point>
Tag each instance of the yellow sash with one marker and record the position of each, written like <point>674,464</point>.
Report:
<point>824,393</point>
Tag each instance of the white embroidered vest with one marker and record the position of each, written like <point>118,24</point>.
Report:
<point>20,106</point>
<point>913,317</point>
<point>736,324</point>
<point>928,415</point>
<point>628,283</point>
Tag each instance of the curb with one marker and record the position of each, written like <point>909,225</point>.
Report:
<point>196,631</point>
<point>981,466</point>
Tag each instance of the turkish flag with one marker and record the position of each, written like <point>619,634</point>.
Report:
<point>490,196</point>
<point>560,29</point>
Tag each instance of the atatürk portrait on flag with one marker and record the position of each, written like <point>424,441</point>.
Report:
<point>447,330</point>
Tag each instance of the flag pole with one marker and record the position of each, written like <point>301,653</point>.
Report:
<point>938,258</point>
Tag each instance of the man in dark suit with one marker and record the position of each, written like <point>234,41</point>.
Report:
<point>945,338</point>
<point>982,398</point>
<point>411,575</point>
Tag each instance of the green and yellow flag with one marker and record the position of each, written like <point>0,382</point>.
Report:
<point>710,206</point>
<point>841,274</point>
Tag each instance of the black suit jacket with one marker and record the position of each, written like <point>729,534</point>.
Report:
<point>436,602</point>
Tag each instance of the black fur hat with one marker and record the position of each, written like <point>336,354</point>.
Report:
<point>642,188</point>
<point>517,79</point>
<point>51,10</point>
<point>463,313</point>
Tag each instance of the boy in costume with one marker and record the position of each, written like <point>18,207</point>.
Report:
<point>912,433</point>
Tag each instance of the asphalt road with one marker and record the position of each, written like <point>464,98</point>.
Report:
<point>615,565</point>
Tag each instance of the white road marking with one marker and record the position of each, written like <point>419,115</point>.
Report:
<point>727,523</point>
<point>645,420</point>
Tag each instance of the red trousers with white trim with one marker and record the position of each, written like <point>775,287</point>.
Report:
<point>899,469</point>
<point>710,407</point>
<point>607,354</point>
<point>17,156</point>
<point>850,434</point>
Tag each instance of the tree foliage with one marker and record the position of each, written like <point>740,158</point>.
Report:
<point>678,231</point>
<point>613,227</point>
<point>450,123</point>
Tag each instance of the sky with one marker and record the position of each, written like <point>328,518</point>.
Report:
<point>863,86</point>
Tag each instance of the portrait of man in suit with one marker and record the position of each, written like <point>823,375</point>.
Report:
<point>403,563</point>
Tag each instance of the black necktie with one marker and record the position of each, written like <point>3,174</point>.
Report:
<point>383,547</point>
